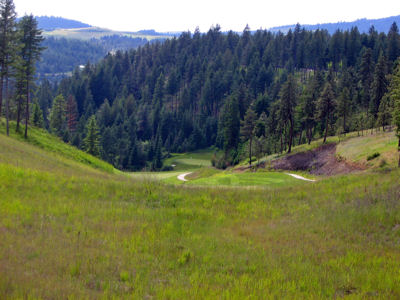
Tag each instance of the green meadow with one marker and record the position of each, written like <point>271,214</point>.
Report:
<point>71,227</point>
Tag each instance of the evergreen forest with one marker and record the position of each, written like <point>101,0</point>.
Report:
<point>249,94</point>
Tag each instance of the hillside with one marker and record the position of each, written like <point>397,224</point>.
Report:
<point>52,23</point>
<point>363,25</point>
<point>199,90</point>
<point>97,33</point>
<point>45,152</point>
<point>70,44</point>
<point>71,231</point>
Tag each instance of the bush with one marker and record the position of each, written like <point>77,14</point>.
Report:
<point>373,156</point>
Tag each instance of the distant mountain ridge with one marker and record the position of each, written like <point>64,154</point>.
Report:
<point>363,25</point>
<point>52,23</point>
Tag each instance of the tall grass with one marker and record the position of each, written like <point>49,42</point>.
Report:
<point>64,235</point>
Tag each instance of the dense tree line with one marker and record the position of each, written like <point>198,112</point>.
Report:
<point>20,48</point>
<point>248,94</point>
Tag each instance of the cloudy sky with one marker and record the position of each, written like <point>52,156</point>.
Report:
<point>181,15</point>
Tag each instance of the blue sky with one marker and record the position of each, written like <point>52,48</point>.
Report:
<point>180,15</point>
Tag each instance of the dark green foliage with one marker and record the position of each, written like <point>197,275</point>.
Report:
<point>92,139</point>
<point>373,156</point>
<point>394,94</point>
<point>58,116</point>
<point>288,100</point>
<point>393,48</point>
<point>385,112</point>
<point>247,129</point>
<point>37,118</point>
<point>8,41</point>
<point>30,39</point>
<point>326,106</point>
<point>193,92</point>
<point>379,85</point>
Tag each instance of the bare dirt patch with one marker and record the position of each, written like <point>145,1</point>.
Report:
<point>320,161</point>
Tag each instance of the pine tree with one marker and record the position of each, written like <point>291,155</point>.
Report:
<point>393,43</point>
<point>343,107</point>
<point>37,118</point>
<point>157,161</point>
<point>394,92</point>
<point>288,99</point>
<point>92,139</point>
<point>231,124</point>
<point>379,86</point>
<point>7,50</point>
<point>72,114</point>
<point>247,129</point>
<point>397,123</point>
<point>30,50</point>
<point>326,106</point>
<point>385,112</point>
<point>58,116</point>
<point>366,73</point>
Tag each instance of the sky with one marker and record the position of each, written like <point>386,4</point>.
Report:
<point>183,15</point>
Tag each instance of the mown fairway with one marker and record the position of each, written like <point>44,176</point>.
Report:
<point>85,233</point>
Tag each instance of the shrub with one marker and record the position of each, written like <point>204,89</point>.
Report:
<point>373,156</point>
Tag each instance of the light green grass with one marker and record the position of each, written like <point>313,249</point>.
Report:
<point>358,149</point>
<point>64,236</point>
<point>190,160</point>
<point>266,179</point>
<point>45,151</point>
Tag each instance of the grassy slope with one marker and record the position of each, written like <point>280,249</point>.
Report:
<point>52,149</point>
<point>359,148</point>
<point>97,33</point>
<point>93,236</point>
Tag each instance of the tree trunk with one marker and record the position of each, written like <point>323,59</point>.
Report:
<point>19,113</point>
<point>344,125</point>
<point>27,110</point>
<point>301,135</point>
<point>250,142</point>
<point>326,129</point>
<point>7,105</point>
<point>1,90</point>
<point>290,136</point>
<point>398,148</point>
<point>309,135</point>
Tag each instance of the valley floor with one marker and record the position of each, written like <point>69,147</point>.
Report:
<point>69,230</point>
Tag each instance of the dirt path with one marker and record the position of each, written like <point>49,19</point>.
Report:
<point>300,177</point>
<point>182,176</point>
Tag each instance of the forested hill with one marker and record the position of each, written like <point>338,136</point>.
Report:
<point>230,90</point>
<point>363,25</point>
<point>51,23</point>
<point>63,55</point>
<point>70,44</point>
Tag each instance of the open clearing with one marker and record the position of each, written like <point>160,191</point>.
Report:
<point>69,230</point>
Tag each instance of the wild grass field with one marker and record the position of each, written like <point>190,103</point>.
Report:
<point>71,231</point>
<point>361,149</point>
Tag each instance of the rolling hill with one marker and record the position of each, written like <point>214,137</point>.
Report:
<point>70,44</point>
<point>363,25</point>
<point>52,23</point>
